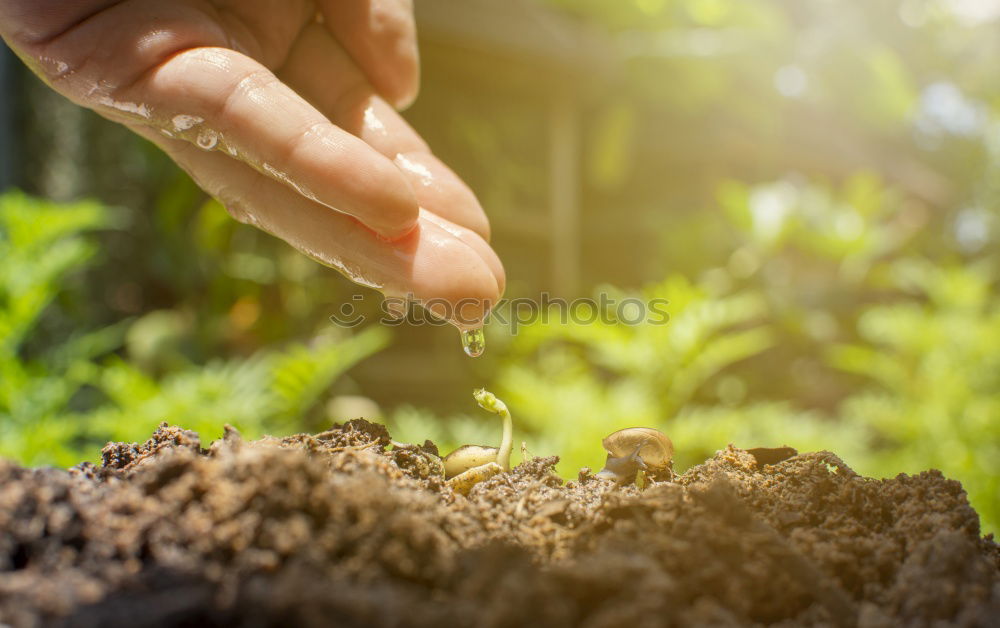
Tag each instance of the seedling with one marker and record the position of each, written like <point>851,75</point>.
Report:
<point>632,449</point>
<point>471,464</point>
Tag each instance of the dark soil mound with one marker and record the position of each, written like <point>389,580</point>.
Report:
<point>334,529</point>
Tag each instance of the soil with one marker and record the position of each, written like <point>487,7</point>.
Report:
<point>339,528</point>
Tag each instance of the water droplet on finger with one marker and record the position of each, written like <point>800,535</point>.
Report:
<point>207,139</point>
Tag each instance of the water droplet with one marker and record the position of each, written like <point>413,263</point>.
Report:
<point>372,122</point>
<point>419,169</point>
<point>127,107</point>
<point>185,122</point>
<point>474,342</point>
<point>207,139</point>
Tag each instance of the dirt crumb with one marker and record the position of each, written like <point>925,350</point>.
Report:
<point>127,455</point>
<point>346,527</point>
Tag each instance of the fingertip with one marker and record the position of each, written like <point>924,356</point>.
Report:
<point>439,189</point>
<point>406,99</point>
<point>490,258</point>
<point>451,279</point>
<point>384,200</point>
<point>408,84</point>
<point>398,83</point>
<point>395,233</point>
<point>501,278</point>
<point>480,224</point>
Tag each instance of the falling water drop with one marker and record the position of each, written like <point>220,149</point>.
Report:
<point>474,342</point>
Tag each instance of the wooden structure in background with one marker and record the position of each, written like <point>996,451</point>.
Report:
<point>551,60</point>
<point>512,54</point>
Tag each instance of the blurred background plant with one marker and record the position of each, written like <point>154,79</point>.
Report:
<point>62,400</point>
<point>814,188</point>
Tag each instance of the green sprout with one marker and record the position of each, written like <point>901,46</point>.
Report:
<point>489,402</point>
<point>471,464</point>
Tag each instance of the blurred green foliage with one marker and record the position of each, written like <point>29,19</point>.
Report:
<point>39,244</point>
<point>60,402</point>
<point>933,360</point>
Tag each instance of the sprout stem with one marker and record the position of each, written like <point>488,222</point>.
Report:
<point>489,402</point>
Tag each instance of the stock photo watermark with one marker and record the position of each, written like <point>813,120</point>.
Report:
<point>513,313</point>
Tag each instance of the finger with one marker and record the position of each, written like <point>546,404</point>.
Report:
<point>266,124</point>
<point>432,263</point>
<point>147,67</point>
<point>475,242</point>
<point>344,95</point>
<point>381,37</point>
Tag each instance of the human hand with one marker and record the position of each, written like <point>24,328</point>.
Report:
<point>281,111</point>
